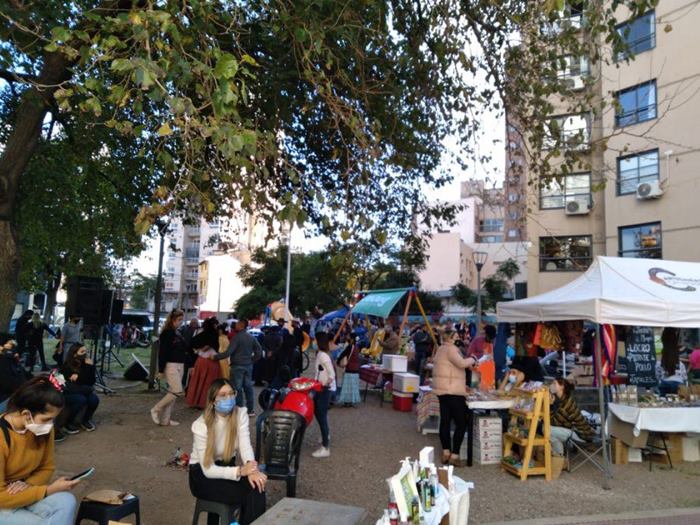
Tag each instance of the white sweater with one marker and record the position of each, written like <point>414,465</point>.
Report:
<point>326,374</point>
<point>243,448</point>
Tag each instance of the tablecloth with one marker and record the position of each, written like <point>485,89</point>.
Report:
<point>661,419</point>
<point>370,375</point>
<point>497,404</point>
<point>428,406</point>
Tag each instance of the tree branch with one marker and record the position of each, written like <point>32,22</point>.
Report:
<point>11,76</point>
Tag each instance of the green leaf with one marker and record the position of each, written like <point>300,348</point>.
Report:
<point>164,130</point>
<point>226,66</point>
<point>61,33</point>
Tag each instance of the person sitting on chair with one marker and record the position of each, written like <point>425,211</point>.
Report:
<point>565,417</point>
<point>81,399</point>
<point>513,379</point>
<point>221,442</point>
<point>27,449</point>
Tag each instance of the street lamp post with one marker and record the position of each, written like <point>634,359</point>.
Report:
<point>288,312</point>
<point>479,259</point>
<point>162,227</point>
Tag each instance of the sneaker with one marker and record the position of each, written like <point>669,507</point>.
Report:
<point>251,413</point>
<point>155,416</point>
<point>88,426</point>
<point>59,437</point>
<point>71,429</point>
<point>322,452</point>
<point>173,423</point>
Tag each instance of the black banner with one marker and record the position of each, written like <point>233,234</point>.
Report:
<point>641,356</point>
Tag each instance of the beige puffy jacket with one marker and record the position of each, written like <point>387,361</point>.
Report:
<point>448,371</point>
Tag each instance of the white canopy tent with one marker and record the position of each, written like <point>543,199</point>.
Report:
<point>622,291</point>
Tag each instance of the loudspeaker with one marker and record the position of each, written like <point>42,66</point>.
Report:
<point>84,298</point>
<point>136,371</point>
<point>117,308</point>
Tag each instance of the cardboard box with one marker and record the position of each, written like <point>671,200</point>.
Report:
<point>487,423</point>
<point>624,432</point>
<point>405,382</point>
<point>395,363</point>
<point>634,455</point>
<point>691,448</point>
<point>486,434</point>
<point>486,457</point>
<point>619,452</point>
<point>489,446</point>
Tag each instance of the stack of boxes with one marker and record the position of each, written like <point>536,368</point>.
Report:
<point>488,440</point>
<point>404,385</point>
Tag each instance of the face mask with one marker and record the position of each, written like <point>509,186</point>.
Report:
<point>511,379</point>
<point>39,429</point>
<point>226,405</point>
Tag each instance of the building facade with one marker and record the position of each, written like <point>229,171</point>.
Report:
<point>638,196</point>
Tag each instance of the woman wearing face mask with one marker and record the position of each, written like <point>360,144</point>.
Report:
<point>81,399</point>
<point>513,379</point>
<point>27,466</point>
<point>221,442</point>
<point>565,417</point>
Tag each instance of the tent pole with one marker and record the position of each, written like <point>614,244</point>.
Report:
<point>405,312</point>
<point>601,407</point>
<point>342,326</point>
<point>427,322</point>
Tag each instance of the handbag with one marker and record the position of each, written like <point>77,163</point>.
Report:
<point>343,361</point>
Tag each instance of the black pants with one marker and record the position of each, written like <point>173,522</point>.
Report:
<point>229,492</point>
<point>452,408</point>
<point>35,348</point>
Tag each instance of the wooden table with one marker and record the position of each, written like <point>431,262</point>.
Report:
<point>308,512</point>
<point>371,375</point>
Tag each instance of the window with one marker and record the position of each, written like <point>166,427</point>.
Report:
<point>557,193</point>
<point>568,131</point>
<point>513,215</point>
<point>491,225</point>
<point>641,241</point>
<point>565,254</point>
<point>639,35</point>
<point>512,233</point>
<point>635,169</point>
<point>492,238</point>
<point>636,104</point>
<point>513,197</point>
<point>571,69</point>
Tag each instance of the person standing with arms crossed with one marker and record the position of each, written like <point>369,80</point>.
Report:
<point>243,350</point>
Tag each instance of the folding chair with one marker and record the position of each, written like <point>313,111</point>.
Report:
<point>589,450</point>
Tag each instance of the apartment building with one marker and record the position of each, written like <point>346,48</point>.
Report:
<point>190,244</point>
<point>640,196</point>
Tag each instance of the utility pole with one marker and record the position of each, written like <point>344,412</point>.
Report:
<point>162,230</point>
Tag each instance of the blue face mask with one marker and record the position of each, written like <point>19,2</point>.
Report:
<point>225,405</point>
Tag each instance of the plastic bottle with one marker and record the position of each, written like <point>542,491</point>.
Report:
<point>415,511</point>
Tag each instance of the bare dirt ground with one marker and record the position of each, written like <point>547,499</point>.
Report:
<point>367,442</point>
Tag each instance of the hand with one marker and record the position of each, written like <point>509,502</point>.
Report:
<point>249,468</point>
<point>73,377</point>
<point>257,480</point>
<point>89,361</point>
<point>61,485</point>
<point>160,375</point>
<point>16,487</point>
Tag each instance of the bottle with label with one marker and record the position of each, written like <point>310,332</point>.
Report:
<point>415,511</point>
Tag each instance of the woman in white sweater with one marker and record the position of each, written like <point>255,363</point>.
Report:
<point>222,464</point>
<point>325,374</point>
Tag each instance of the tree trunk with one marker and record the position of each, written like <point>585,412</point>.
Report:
<point>18,151</point>
<point>9,274</point>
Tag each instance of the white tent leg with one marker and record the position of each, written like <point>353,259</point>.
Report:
<point>601,406</point>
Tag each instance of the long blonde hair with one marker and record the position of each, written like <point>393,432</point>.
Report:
<point>169,323</point>
<point>210,419</point>
<point>36,320</point>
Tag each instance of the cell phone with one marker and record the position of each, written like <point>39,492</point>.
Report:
<point>83,474</point>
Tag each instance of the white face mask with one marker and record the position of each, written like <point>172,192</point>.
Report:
<point>39,429</point>
<point>512,378</point>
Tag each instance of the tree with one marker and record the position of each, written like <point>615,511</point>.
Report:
<point>143,289</point>
<point>496,287</point>
<point>330,114</point>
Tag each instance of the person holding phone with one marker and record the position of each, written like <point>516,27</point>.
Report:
<point>27,495</point>
<point>222,464</point>
<point>325,374</point>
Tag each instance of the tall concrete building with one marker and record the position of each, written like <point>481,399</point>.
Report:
<point>640,196</point>
<point>189,245</point>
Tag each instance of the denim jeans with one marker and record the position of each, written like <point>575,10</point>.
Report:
<point>77,402</point>
<point>242,379</point>
<point>559,436</point>
<point>321,402</point>
<point>57,509</point>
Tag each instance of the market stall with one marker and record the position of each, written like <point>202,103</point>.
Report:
<point>617,291</point>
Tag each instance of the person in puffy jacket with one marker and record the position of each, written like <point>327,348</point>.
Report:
<point>449,384</point>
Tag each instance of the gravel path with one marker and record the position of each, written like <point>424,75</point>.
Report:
<point>367,442</point>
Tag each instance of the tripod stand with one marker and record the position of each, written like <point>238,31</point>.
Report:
<point>99,349</point>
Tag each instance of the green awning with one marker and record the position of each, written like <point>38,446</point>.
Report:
<point>379,302</point>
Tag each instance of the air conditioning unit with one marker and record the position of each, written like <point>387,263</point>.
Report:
<point>578,207</point>
<point>575,83</point>
<point>649,190</point>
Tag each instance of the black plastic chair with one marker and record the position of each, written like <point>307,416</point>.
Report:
<point>279,436</point>
<point>217,513</point>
